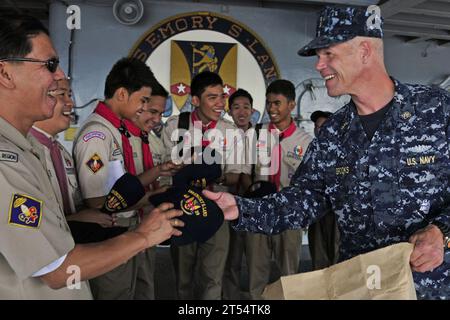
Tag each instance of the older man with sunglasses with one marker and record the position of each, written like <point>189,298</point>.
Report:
<point>38,257</point>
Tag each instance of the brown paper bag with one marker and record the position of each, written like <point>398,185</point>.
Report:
<point>381,274</point>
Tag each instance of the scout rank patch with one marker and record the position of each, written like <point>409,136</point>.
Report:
<point>193,203</point>
<point>25,211</point>
<point>95,163</point>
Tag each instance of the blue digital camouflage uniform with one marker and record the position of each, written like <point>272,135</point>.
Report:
<point>381,190</point>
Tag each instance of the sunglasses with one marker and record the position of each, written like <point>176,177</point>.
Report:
<point>51,64</point>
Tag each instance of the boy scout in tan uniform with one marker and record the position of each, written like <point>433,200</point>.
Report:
<point>142,133</point>
<point>205,261</point>
<point>285,247</point>
<point>240,105</point>
<point>96,146</point>
<point>103,151</point>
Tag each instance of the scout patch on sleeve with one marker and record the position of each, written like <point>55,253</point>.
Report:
<point>8,156</point>
<point>94,134</point>
<point>95,163</point>
<point>25,211</point>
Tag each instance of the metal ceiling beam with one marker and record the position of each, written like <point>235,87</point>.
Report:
<point>392,7</point>
<point>432,8</point>
<point>416,32</point>
<point>442,14</point>
<point>419,39</point>
<point>406,19</point>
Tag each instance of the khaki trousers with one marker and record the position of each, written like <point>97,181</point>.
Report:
<point>199,267</point>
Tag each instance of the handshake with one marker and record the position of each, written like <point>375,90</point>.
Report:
<point>201,216</point>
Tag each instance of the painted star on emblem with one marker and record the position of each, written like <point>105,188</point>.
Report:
<point>226,90</point>
<point>181,88</point>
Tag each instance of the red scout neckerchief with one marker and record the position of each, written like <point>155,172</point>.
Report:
<point>276,151</point>
<point>105,112</point>
<point>205,127</point>
<point>147,157</point>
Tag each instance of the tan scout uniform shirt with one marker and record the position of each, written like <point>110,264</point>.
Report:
<point>74,191</point>
<point>33,230</point>
<point>97,143</point>
<point>292,150</point>
<point>136,145</point>
<point>159,156</point>
<point>156,148</point>
<point>234,151</point>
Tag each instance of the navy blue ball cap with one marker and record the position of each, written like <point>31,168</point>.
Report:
<point>201,216</point>
<point>320,114</point>
<point>338,24</point>
<point>125,193</point>
<point>204,171</point>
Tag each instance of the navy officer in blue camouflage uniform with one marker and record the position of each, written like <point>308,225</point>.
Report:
<point>381,163</point>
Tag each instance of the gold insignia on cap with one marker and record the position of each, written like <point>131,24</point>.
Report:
<point>406,115</point>
<point>193,203</point>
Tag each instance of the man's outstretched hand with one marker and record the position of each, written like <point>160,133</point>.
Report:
<point>226,202</point>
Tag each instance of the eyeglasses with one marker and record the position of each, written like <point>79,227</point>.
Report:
<point>51,64</point>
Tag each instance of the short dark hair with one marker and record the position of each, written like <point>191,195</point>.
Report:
<point>131,74</point>
<point>283,87</point>
<point>203,80</point>
<point>15,33</point>
<point>159,90</point>
<point>320,114</point>
<point>240,93</point>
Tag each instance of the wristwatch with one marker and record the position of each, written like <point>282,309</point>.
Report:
<point>445,229</point>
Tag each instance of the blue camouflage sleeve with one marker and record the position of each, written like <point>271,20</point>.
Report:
<point>294,207</point>
<point>444,216</point>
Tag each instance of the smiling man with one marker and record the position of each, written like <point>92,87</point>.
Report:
<point>380,163</point>
<point>59,161</point>
<point>38,256</point>
<point>149,153</point>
